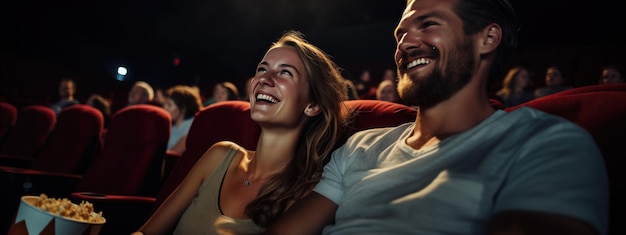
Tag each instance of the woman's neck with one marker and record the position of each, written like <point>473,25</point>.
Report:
<point>274,152</point>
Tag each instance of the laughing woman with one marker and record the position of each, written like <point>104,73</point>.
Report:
<point>297,99</point>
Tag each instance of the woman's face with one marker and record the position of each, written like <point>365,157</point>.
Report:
<point>388,93</point>
<point>173,109</point>
<point>220,93</point>
<point>522,79</point>
<point>279,88</point>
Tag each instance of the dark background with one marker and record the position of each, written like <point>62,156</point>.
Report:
<point>44,41</point>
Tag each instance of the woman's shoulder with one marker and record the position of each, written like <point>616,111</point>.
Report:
<point>224,146</point>
<point>220,149</point>
<point>217,152</point>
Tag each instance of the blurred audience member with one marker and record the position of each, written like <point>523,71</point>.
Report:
<point>141,93</point>
<point>197,89</point>
<point>390,74</point>
<point>351,89</point>
<point>182,102</point>
<point>67,90</point>
<point>515,87</point>
<point>555,82</point>
<point>611,74</point>
<point>159,96</point>
<point>99,102</point>
<point>364,87</point>
<point>387,91</point>
<point>223,91</point>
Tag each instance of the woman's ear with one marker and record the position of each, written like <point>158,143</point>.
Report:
<point>490,38</point>
<point>312,110</point>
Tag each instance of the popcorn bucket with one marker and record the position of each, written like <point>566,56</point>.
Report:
<point>32,220</point>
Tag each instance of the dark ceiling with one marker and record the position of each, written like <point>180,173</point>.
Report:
<point>222,40</point>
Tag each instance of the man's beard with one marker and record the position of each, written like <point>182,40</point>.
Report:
<point>448,77</point>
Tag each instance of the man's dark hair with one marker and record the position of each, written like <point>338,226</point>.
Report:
<point>477,14</point>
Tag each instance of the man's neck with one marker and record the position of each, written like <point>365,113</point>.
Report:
<point>461,112</point>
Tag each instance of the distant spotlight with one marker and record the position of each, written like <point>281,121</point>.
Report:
<point>122,71</point>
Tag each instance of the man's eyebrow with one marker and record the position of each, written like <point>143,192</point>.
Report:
<point>420,18</point>
<point>433,14</point>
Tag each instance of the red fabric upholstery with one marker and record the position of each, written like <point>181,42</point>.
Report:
<point>369,114</point>
<point>601,110</point>
<point>129,163</point>
<point>34,124</point>
<point>8,117</point>
<point>130,160</point>
<point>74,142</point>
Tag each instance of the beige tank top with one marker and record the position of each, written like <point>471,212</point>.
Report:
<point>203,216</point>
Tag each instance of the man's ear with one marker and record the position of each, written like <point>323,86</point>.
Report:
<point>490,38</point>
<point>312,110</point>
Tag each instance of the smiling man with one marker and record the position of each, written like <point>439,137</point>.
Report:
<point>462,167</point>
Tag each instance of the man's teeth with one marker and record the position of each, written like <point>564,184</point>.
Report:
<point>266,97</point>
<point>417,62</point>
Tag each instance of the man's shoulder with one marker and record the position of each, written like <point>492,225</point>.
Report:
<point>530,113</point>
<point>379,135</point>
<point>528,119</point>
<point>383,130</point>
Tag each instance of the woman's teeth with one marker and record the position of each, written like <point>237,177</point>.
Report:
<point>266,98</point>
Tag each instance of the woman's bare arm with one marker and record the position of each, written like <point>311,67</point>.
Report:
<point>167,215</point>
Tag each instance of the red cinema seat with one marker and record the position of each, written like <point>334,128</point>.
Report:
<point>8,117</point>
<point>33,126</point>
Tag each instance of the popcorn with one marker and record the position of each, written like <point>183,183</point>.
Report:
<point>66,208</point>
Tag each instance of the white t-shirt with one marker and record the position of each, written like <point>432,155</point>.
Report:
<point>525,159</point>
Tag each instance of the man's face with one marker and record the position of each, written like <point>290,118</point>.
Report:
<point>435,58</point>
<point>66,89</point>
<point>553,77</point>
<point>611,76</point>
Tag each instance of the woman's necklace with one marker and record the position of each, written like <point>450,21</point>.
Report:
<point>247,181</point>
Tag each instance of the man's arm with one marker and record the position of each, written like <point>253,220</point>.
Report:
<point>515,222</point>
<point>309,215</point>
